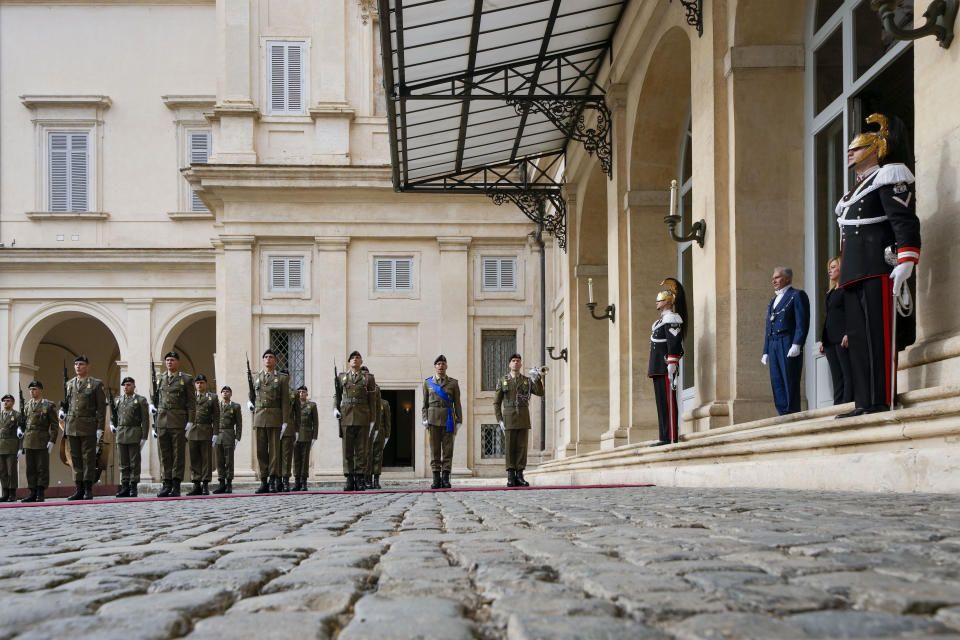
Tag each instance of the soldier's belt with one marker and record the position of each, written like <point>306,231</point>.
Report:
<point>511,405</point>
<point>264,405</point>
<point>353,400</point>
<point>438,404</point>
<point>78,414</point>
<point>8,437</point>
<point>203,424</point>
<point>172,407</point>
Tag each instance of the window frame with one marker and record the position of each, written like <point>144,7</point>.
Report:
<point>267,292</point>
<point>188,132</point>
<point>410,294</point>
<point>48,173</point>
<point>519,274</point>
<point>304,44</point>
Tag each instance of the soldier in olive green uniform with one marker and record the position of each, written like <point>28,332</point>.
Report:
<point>513,413</point>
<point>38,439</point>
<point>442,417</point>
<point>288,440</point>
<point>10,435</point>
<point>130,424</point>
<point>381,433</point>
<point>174,418</point>
<point>369,437</point>
<point>307,432</point>
<point>201,437</point>
<point>228,433</point>
<point>270,419</point>
<point>357,413</point>
<point>83,426</point>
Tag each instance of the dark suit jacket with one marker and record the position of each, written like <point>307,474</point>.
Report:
<point>791,318</point>
<point>834,320</point>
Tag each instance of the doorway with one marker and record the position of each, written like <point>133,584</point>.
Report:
<point>398,453</point>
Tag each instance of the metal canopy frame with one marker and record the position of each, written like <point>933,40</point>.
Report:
<point>485,95</point>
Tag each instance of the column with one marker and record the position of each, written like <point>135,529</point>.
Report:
<point>452,338</point>
<point>236,275</point>
<point>235,113</point>
<point>5,338</point>
<point>137,366</point>
<point>330,346</point>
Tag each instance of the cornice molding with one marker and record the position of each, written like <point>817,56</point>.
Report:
<point>175,102</point>
<point>180,216</point>
<point>332,243</point>
<point>67,215</point>
<point>33,101</point>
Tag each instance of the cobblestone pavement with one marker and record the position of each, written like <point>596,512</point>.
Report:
<point>590,563</point>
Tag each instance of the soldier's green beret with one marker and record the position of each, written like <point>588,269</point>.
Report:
<point>81,358</point>
<point>127,379</point>
<point>35,383</point>
<point>6,396</point>
<point>268,352</point>
<point>440,358</point>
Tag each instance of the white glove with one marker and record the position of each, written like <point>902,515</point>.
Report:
<point>156,434</point>
<point>62,415</point>
<point>99,434</point>
<point>371,425</point>
<point>188,427</point>
<point>283,428</point>
<point>49,446</point>
<point>153,410</point>
<point>143,442</point>
<point>503,429</point>
<point>213,440</point>
<point>113,429</point>
<point>385,441</point>
<point>794,351</point>
<point>19,453</point>
<point>900,275</point>
<point>313,441</point>
<point>763,359</point>
<point>336,414</point>
<point>534,372</point>
<point>376,433</point>
<point>672,370</point>
<point>19,432</point>
<point>250,406</point>
<point>236,442</point>
<point>424,423</point>
<point>296,437</point>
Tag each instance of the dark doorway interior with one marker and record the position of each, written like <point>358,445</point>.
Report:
<point>398,454</point>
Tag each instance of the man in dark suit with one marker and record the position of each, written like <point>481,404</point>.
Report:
<point>788,319</point>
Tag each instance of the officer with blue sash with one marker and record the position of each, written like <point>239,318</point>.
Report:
<point>441,417</point>
<point>788,319</point>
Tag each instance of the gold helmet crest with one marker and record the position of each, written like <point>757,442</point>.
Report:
<point>668,291</point>
<point>874,140</point>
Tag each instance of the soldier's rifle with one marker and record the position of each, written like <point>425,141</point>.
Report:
<point>22,421</point>
<point>65,408</point>
<point>154,393</point>
<point>65,403</point>
<point>338,393</point>
<point>251,392</point>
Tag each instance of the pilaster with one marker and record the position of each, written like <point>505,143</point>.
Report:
<point>137,366</point>
<point>235,114</point>
<point>452,337</point>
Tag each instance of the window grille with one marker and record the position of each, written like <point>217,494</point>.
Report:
<point>393,274</point>
<point>289,347</point>
<point>499,274</point>
<point>68,165</point>
<point>496,347</point>
<point>492,441</point>
<point>286,274</point>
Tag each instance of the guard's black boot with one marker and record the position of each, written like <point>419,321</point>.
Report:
<point>229,486</point>
<point>205,489</point>
<point>296,483</point>
<point>175,490</point>
<point>521,481</point>
<point>359,484</point>
<point>303,483</point>
<point>133,489</point>
<point>285,485</point>
<point>511,478</point>
<point>264,486</point>
<point>5,496</point>
<point>272,485</point>
<point>77,492</point>
<point>166,489</point>
<point>123,492</point>
<point>40,497</point>
<point>446,480</point>
<point>348,486</point>
<point>87,491</point>
<point>196,491</point>
<point>368,481</point>
<point>859,411</point>
<point>13,496</point>
<point>376,481</point>
<point>437,483</point>
<point>221,489</point>
<point>32,497</point>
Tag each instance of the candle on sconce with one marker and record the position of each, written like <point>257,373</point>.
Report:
<point>551,337</point>
<point>590,290</point>
<point>673,197</point>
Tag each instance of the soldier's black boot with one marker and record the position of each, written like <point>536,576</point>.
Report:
<point>303,483</point>
<point>205,489</point>
<point>376,481</point>
<point>348,485</point>
<point>446,480</point>
<point>296,483</point>
<point>5,496</point>
<point>221,489</point>
<point>40,497</point>
<point>12,495</point>
<point>133,489</point>
<point>165,489</point>
<point>511,478</point>
<point>175,490</point>
<point>32,497</point>
<point>359,484</point>
<point>196,491</point>
<point>123,492</point>
<point>77,492</point>
<point>229,486</point>
<point>264,486</point>
<point>437,483</point>
<point>521,482</point>
<point>272,485</point>
<point>285,484</point>
<point>88,490</point>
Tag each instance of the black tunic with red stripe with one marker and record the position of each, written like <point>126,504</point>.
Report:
<point>666,347</point>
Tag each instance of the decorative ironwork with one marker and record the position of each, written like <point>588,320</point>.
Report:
<point>567,115</point>
<point>563,354</point>
<point>492,441</point>
<point>289,346</point>
<point>533,204</point>
<point>694,9</point>
<point>609,312</point>
<point>940,16</point>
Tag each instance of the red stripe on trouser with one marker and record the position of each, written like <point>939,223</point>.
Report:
<point>887,287</point>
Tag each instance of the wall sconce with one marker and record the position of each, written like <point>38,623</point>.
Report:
<point>563,352</point>
<point>698,229</point>
<point>609,312</point>
<point>940,15</point>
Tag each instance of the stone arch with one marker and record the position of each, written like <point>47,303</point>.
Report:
<point>196,357</point>
<point>184,317</point>
<point>48,316</point>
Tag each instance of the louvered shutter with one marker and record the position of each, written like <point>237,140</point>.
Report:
<point>384,274</point>
<point>59,183</point>
<point>79,186</point>
<point>491,274</point>
<point>294,78</point>
<point>404,274</point>
<point>199,154</point>
<point>294,273</point>
<point>278,274</point>
<point>277,63</point>
<point>285,77</point>
<point>508,279</point>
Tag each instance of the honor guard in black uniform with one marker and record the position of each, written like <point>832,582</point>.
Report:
<point>880,244</point>
<point>666,349</point>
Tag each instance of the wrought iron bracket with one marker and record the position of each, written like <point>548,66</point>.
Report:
<point>609,312</point>
<point>694,9</point>
<point>697,230</point>
<point>567,115</point>
<point>563,354</point>
<point>940,16</point>
<point>533,203</point>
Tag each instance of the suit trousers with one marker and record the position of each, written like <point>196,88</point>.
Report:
<point>129,462</point>
<point>8,471</point>
<point>517,448</point>
<point>225,461</point>
<point>666,397</point>
<point>200,451</point>
<point>172,445</point>
<point>353,448</point>
<point>268,451</point>
<point>376,452</point>
<point>83,457</point>
<point>286,456</point>
<point>838,357</point>
<point>784,374</point>
<point>441,448</point>
<point>868,305</point>
<point>38,467</point>
<point>301,459</point>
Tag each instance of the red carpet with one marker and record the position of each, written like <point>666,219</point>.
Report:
<point>13,505</point>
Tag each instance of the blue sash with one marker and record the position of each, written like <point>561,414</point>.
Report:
<point>437,389</point>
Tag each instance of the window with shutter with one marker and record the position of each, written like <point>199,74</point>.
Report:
<point>286,274</point>
<point>508,267</point>
<point>295,274</point>
<point>285,77</point>
<point>393,274</point>
<point>384,274</point>
<point>499,274</point>
<point>404,274</point>
<point>199,150</point>
<point>68,167</point>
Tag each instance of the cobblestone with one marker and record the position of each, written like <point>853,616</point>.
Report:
<point>690,564</point>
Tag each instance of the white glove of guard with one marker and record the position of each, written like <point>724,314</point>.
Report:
<point>250,406</point>
<point>143,442</point>
<point>371,424</point>
<point>99,434</point>
<point>336,414</point>
<point>296,437</point>
<point>188,427</point>
<point>19,453</point>
<point>236,442</point>
<point>503,429</point>
<point>672,370</point>
<point>113,429</point>
<point>213,440</point>
<point>49,446</point>
<point>376,433</point>
<point>62,415</point>
<point>425,423</point>
<point>534,372</point>
<point>313,441</point>
<point>19,432</point>
<point>156,434</point>
<point>763,359</point>
<point>794,351</point>
<point>385,441</point>
<point>900,274</point>
<point>283,428</point>
<point>153,410</point>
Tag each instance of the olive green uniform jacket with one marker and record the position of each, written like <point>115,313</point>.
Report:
<point>513,399</point>
<point>88,407</point>
<point>42,424</point>
<point>178,401</point>
<point>230,426</point>
<point>207,415</point>
<point>273,404</point>
<point>9,442</point>
<point>359,405</point>
<point>434,408</point>
<point>132,419</point>
<point>308,423</point>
